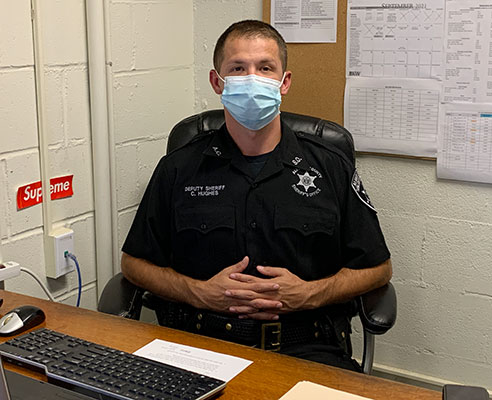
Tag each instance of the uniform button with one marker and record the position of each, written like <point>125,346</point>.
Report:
<point>203,226</point>
<point>198,326</point>
<point>316,334</point>
<point>228,327</point>
<point>343,334</point>
<point>199,316</point>
<point>305,227</point>
<point>316,324</point>
<point>253,225</point>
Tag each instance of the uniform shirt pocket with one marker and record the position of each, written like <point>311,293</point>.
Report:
<point>205,240</point>
<point>305,220</point>
<point>307,238</point>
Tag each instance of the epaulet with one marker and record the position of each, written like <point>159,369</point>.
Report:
<point>320,142</point>
<point>195,139</point>
<point>202,136</point>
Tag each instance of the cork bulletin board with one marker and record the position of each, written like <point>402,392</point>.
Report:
<point>318,73</point>
<point>318,76</point>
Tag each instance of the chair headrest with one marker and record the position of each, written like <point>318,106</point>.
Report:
<point>206,121</point>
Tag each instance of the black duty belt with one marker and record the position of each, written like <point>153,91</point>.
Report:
<point>301,327</point>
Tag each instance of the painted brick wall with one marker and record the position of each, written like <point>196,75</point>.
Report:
<point>69,141</point>
<point>153,89</point>
<point>440,236</point>
<point>152,56</point>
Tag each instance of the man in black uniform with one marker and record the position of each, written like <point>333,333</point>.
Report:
<point>256,233</point>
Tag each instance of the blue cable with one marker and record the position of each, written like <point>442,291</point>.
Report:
<point>71,256</point>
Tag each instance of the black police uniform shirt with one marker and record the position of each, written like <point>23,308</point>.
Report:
<point>306,210</point>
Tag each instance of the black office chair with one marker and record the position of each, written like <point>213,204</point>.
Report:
<point>376,309</point>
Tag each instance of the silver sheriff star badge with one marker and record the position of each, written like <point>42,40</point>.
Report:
<point>306,181</point>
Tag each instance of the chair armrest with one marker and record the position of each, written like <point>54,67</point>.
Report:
<point>121,297</point>
<point>459,392</point>
<point>377,309</point>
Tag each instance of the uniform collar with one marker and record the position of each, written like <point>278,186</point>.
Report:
<point>287,153</point>
<point>290,153</point>
<point>222,145</point>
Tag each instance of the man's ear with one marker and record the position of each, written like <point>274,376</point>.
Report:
<point>217,84</point>
<point>284,88</point>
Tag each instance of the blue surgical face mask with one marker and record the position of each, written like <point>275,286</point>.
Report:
<point>252,100</point>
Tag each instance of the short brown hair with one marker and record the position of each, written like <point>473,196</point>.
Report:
<point>250,28</point>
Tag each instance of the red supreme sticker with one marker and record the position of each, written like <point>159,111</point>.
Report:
<point>32,194</point>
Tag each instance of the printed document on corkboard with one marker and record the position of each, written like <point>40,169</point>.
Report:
<point>307,390</point>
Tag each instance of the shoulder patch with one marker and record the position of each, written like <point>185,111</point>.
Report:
<point>360,191</point>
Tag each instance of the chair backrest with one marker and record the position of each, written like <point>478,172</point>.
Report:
<point>211,120</point>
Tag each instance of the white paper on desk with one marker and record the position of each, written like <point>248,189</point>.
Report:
<point>312,391</point>
<point>215,365</point>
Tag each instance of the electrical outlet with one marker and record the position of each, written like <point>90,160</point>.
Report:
<point>59,242</point>
<point>8,270</point>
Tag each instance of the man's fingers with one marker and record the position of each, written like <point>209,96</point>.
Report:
<point>265,316</point>
<point>250,299</point>
<point>258,285</point>
<point>265,304</point>
<point>266,287</point>
<point>242,277</point>
<point>243,309</point>
<point>241,265</point>
<point>241,294</point>
<point>252,295</point>
<point>269,271</point>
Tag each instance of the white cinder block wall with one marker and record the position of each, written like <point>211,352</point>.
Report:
<point>439,232</point>
<point>68,127</point>
<point>153,89</point>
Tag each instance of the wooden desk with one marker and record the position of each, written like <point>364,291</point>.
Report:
<point>269,377</point>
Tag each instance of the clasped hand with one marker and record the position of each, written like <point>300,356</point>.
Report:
<point>253,297</point>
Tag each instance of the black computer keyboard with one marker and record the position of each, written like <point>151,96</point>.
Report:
<point>104,370</point>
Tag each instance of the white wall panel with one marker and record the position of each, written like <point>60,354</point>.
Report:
<point>149,104</point>
<point>162,34</point>
<point>64,35</point>
<point>17,110</point>
<point>68,133</point>
<point>15,33</point>
<point>22,169</point>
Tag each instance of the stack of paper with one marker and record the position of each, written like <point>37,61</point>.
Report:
<point>312,391</point>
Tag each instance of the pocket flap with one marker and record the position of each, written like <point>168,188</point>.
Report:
<point>205,219</point>
<point>307,220</point>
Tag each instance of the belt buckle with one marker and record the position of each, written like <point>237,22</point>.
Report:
<point>271,335</point>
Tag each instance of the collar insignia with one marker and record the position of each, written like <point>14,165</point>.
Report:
<point>296,160</point>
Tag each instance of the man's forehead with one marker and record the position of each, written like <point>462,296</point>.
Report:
<point>242,45</point>
<point>249,38</point>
